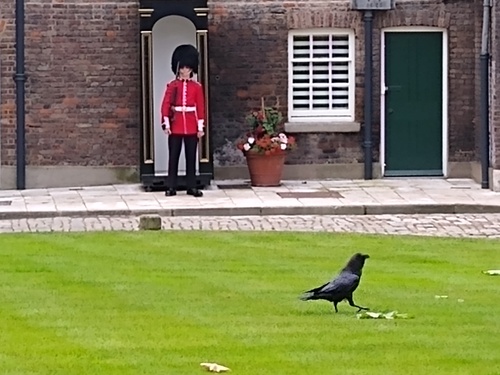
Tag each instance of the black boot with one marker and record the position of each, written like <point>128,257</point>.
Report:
<point>194,192</point>
<point>170,192</point>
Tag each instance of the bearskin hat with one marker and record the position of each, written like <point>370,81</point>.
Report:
<point>185,55</point>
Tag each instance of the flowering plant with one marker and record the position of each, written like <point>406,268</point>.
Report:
<point>265,136</point>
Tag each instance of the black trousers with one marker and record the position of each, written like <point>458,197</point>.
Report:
<point>174,152</point>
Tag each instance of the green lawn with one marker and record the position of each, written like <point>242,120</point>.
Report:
<point>162,302</point>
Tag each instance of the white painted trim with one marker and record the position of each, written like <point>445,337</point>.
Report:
<point>290,72</point>
<point>409,29</point>
<point>445,103</point>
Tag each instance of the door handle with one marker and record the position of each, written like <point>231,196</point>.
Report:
<point>390,111</point>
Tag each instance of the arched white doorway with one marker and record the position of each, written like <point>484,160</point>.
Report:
<point>168,33</point>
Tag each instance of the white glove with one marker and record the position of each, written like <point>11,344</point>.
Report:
<point>200,125</point>
<point>166,122</point>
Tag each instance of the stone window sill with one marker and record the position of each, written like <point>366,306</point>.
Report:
<point>323,127</point>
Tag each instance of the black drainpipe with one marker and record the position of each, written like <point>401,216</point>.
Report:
<point>368,94</point>
<point>20,79</point>
<point>484,60</point>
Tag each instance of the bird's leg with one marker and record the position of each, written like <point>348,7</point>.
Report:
<point>351,303</point>
<point>335,306</point>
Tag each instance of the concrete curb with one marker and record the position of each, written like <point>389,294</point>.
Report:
<point>395,209</point>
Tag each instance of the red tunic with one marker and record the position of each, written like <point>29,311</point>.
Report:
<point>183,107</point>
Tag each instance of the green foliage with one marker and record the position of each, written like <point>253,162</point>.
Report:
<point>270,119</point>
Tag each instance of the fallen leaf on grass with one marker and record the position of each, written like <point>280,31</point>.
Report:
<point>380,315</point>
<point>492,272</point>
<point>214,367</point>
<point>446,297</point>
<point>440,297</point>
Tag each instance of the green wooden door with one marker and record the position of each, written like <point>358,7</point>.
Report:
<point>413,106</point>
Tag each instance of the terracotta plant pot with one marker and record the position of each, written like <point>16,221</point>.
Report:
<point>265,170</point>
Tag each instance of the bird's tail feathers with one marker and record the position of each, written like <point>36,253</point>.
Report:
<point>306,296</point>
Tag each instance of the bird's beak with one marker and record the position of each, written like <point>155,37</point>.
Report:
<point>366,256</point>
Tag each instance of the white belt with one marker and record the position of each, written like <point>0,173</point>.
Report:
<point>185,109</point>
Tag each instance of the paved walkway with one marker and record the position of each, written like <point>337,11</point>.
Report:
<point>419,206</point>
<point>230,198</point>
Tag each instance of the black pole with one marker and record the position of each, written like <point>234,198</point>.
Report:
<point>368,94</point>
<point>20,79</point>
<point>484,60</point>
<point>485,131</point>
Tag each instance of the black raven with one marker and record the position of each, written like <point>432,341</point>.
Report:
<point>343,286</point>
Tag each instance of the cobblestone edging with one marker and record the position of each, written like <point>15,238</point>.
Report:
<point>445,225</point>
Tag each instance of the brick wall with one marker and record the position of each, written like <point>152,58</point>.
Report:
<point>7,92</point>
<point>83,87</point>
<point>252,38</point>
<point>460,19</point>
<point>477,73</point>
<point>83,83</point>
<point>495,88</point>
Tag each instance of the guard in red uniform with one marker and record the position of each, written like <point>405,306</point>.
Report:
<point>183,115</point>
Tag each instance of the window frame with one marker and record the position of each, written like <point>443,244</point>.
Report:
<point>344,115</point>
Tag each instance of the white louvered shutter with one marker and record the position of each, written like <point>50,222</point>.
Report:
<point>320,78</point>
